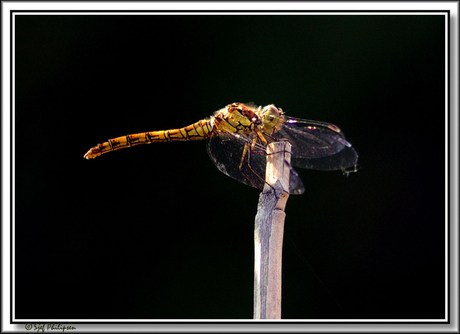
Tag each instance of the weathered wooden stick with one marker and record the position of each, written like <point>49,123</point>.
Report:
<point>268,232</point>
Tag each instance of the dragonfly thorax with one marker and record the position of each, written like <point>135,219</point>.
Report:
<point>243,118</point>
<point>236,118</point>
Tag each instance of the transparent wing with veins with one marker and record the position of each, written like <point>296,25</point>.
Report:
<point>317,145</point>
<point>226,151</point>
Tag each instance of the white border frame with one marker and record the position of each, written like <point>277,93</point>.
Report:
<point>354,325</point>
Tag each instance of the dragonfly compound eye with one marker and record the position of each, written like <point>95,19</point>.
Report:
<point>272,119</point>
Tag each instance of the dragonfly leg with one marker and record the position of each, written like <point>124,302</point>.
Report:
<point>274,139</point>
<point>247,151</point>
<point>265,141</point>
<point>261,137</point>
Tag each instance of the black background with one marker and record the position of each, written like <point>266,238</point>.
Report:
<point>157,232</point>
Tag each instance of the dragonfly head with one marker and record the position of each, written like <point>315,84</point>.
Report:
<point>272,119</point>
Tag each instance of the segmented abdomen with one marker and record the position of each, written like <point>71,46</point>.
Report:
<point>197,131</point>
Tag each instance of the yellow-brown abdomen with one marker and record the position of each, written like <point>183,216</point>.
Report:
<point>196,131</point>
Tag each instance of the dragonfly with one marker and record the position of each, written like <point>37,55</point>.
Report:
<point>238,135</point>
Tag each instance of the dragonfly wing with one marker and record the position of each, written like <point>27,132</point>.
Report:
<point>317,145</point>
<point>295,183</point>
<point>226,151</point>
